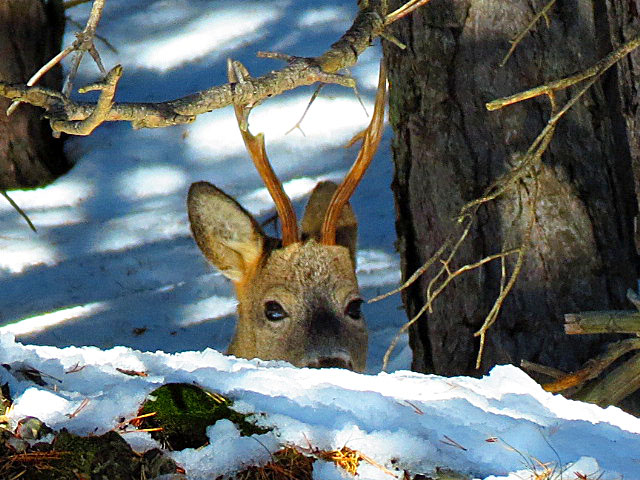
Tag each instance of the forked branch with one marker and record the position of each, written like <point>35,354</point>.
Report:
<point>367,26</point>
<point>83,43</point>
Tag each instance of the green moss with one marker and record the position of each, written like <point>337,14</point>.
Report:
<point>184,412</point>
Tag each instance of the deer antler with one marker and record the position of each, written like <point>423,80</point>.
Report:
<point>370,142</point>
<point>255,146</point>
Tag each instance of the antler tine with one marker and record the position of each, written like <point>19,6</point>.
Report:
<point>255,146</point>
<point>370,142</point>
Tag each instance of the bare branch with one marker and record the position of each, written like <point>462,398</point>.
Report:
<point>611,321</point>
<point>595,70</point>
<point>505,289</point>
<point>432,294</point>
<point>105,101</point>
<point>367,25</point>
<point>543,369</point>
<point>616,385</point>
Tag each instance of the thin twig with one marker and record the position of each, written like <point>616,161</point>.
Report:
<point>104,40</point>
<point>357,94</point>
<point>40,73</point>
<point>19,210</point>
<point>516,41</point>
<point>431,297</point>
<point>304,114</point>
<point>595,70</point>
<point>404,10</point>
<point>505,289</point>
<point>446,244</point>
<point>81,407</point>
<point>84,43</point>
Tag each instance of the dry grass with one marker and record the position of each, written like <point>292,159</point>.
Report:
<point>294,463</point>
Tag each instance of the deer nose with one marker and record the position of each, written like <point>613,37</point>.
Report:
<point>334,360</point>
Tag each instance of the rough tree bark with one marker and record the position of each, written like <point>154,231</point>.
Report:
<point>448,148</point>
<point>30,34</point>
<point>622,18</point>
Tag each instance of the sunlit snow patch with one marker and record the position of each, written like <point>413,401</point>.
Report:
<point>336,18</point>
<point>151,181</point>
<point>259,201</point>
<point>215,32</point>
<point>208,309</point>
<point>141,228</point>
<point>56,217</point>
<point>34,398</point>
<point>329,122</point>
<point>221,454</point>
<point>62,193</point>
<point>47,320</point>
<point>20,253</point>
<point>377,268</point>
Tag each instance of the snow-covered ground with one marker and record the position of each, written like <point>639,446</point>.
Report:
<point>113,264</point>
<point>499,425</point>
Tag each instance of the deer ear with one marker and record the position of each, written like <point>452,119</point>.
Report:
<point>347,226</point>
<point>228,236</point>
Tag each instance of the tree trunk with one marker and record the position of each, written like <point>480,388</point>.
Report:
<point>30,35</point>
<point>448,148</point>
<point>623,21</point>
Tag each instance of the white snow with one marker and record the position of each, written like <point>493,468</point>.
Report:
<point>501,426</point>
<point>113,268</point>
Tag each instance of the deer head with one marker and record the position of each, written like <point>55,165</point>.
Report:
<point>298,298</point>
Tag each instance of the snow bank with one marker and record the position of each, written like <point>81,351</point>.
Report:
<point>503,424</point>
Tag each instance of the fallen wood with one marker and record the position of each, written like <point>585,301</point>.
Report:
<point>594,367</point>
<point>616,386</point>
<point>613,321</point>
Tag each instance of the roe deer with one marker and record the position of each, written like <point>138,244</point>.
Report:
<point>298,298</point>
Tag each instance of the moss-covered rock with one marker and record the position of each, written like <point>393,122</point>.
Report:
<point>184,412</point>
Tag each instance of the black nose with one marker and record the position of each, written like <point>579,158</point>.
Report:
<point>330,362</point>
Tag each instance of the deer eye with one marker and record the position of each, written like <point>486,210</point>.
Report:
<point>353,309</point>
<point>274,311</point>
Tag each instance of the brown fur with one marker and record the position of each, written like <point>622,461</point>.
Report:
<point>313,283</point>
